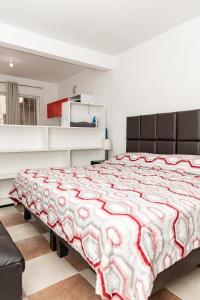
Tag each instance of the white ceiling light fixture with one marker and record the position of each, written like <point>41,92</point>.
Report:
<point>11,62</point>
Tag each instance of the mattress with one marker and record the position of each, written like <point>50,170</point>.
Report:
<point>130,217</point>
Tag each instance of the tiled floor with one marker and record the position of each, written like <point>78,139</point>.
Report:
<point>48,277</point>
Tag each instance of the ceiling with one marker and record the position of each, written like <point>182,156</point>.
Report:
<point>35,67</point>
<point>107,26</point>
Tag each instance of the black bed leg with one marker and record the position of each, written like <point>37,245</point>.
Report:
<point>62,250</point>
<point>27,214</point>
<point>52,241</point>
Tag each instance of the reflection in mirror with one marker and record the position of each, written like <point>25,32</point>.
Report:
<point>2,109</point>
<point>28,110</point>
<point>28,107</point>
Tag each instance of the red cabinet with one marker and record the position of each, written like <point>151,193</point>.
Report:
<point>54,109</point>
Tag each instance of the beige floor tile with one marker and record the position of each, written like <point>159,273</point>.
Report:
<point>188,287</point>
<point>44,271</point>
<point>33,218</point>
<point>23,294</point>
<point>164,294</point>
<point>12,220</point>
<point>46,236</point>
<point>90,276</point>
<point>5,211</point>
<point>75,259</point>
<point>6,201</point>
<point>74,288</point>
<point>22,231</point>
<point>39,226</point>
<point>20,208</point>
<point>33,247</point>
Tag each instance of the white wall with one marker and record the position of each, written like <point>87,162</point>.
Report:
<point>160,75</point>
<point>30,42</point>
<point>48,93</point>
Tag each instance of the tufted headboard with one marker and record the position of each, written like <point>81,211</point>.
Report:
<point>165,133</point>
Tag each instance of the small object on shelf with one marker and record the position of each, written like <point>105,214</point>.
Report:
<point>54,109</point>
<point>94,121</point>
<point>106,133</point>
<point>75,98</point>
<point>83,98</point>
<point>96,162</point>
<point>82,124</point>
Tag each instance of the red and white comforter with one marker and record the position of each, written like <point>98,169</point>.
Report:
<point>130,217</point>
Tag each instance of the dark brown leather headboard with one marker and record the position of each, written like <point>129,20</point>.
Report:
<point>165,133</point>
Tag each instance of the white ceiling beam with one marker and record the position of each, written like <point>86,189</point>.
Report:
<point>26,41</point>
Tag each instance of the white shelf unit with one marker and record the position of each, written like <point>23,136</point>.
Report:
<point>78,112</point>
<point>18,138</point>
<point>43,141</point>
<point>75,138</point>
<point>45,146</point>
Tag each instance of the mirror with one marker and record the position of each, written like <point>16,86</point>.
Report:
<point>36,82</point>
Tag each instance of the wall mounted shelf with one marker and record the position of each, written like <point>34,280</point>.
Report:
<point>83,112</point>
<point>27,146</point>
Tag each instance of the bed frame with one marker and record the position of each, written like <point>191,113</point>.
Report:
<point>166,133</point>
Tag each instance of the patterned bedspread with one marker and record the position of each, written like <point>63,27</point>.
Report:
<point>129,220</point>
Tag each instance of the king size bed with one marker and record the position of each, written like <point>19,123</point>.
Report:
<point>134,218</point>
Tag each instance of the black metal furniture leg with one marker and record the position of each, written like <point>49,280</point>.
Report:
<point>62,249</point>
<point>27,214</point>
<point>53,245</point>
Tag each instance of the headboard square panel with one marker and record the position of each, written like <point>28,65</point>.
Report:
<point>166,133</point>
<point>132,146</point>
<point>188,148</point>
<point>133,128</point>
<point>148,127</point>
<point>147,146</point>
<point>166,126</point>
<point>166,147</point>
<point>189,125</point>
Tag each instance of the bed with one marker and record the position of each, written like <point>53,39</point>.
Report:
<point>135,218</point>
